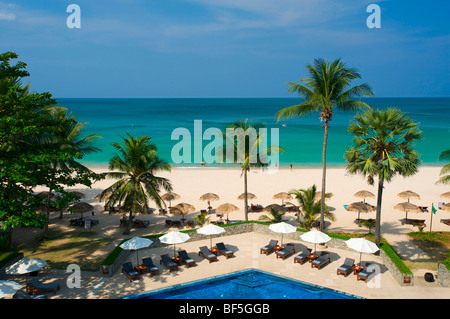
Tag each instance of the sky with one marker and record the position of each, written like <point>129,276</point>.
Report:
<point>225,48</point>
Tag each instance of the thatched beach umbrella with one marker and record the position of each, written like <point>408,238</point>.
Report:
<point>79,194</point>
<point>106,195</point>
<point>407,207</point>
<point>170,197</point>
<point>82,207</point>
<point>283,196</point>
<point>359,207</point>
<point>277,207</point>
<point>364,194</point>
<point>182,209</point>
<point>445,195</point>
<point>408,195</point>
<point>446,207</point>
<point>209,197</point>
<point>249,196</point>
<point>227,208</point>
<point>318,196</point>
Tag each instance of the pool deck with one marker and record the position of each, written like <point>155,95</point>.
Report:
<point>247,255</point>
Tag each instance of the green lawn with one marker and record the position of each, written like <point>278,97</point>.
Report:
<point>436,245</point>
<point>63,249</point>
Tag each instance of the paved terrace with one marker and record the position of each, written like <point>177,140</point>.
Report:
<point>246,247</point>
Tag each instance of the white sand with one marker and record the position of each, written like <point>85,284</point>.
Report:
<point>191,183</point>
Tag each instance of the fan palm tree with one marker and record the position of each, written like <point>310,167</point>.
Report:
<point>309,208</point>
<point>135,167</point>
<point>445,179</point>
<point>383,148</point>
<point>247,151</point>
<point>325,89</point>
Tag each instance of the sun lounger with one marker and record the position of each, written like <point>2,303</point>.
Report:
<point>286,251</point>
<point>151,268</point>
<point>346,267</point>
<point>303,256</point>
<point>206,253</point>
<point>320,261</point>
<point>23,295</point>
<point>365,273</point>
<point>35,287</point>
<point>169,263</point>
<point>188,261</point>
<point>269,248</point>
<point>224,251</point>
<point>129,270</point>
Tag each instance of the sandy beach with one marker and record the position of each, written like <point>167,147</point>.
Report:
<point>191,183</point>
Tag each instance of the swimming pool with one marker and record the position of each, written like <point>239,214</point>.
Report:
<point>244,284</point>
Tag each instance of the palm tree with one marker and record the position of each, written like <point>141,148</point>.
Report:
<point>246,151</point>
<point>327,88</point>
<point>383,148</point>
<point>445,179</point>
<point>309,208</point>
<point>67,136</point>
<point>275,216</point>
<point>202,219</point>
<point>135,167</point>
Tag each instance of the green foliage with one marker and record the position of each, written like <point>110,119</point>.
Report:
<point>276,216</point>
<point>383,147</point>
<point>31,148</point>
<point>310,208</point>
<point>369,223</point>
<point>395,258</point>
<point>202,219</point>
<point>135,167</point>
<point>445,171</point>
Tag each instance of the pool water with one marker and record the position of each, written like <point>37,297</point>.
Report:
<point>245,284</point>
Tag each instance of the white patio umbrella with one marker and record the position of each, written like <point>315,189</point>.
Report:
<point>8,287</point>
<point>210,229</point>
<point>315,237</point>
<point>25,266</point>
<point>362,245</point>
<point>173,238</point>
<point>283,228</point>
<point>136,243</point>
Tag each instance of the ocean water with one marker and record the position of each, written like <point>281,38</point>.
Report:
<point>301,138</point>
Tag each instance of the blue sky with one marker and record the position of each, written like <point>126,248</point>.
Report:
<point>225,48</point>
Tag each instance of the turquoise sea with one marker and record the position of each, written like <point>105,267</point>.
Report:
<point>301,138</point>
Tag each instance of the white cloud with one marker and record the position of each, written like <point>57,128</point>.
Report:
<point>7,11</point>
<point>9,16</point>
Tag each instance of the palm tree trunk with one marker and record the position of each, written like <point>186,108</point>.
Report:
<point>48,214</point>
<point>245,199</point>
<point>378,215</point>
<point>324,174</point>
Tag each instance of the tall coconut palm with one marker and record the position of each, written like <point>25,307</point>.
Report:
<point>328,87</point>
<point>445,176</point>
<point>135,166</point>
<point>309,208</point>
<point>247,151</point>
<point>383,148</point>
